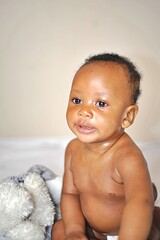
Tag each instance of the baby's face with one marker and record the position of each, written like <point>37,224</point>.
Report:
<point>98,100</point>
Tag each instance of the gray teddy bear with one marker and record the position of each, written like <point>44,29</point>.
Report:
<point>29,204</point>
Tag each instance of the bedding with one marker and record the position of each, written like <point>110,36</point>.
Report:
<point>18,155</point>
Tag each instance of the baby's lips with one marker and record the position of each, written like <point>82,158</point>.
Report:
<point>85,127</point>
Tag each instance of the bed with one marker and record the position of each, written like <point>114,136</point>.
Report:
<point>17,155</point>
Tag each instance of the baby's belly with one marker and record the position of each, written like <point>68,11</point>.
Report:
<point>103,214</point>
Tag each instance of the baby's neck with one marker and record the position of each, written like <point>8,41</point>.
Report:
<point>100,148</point>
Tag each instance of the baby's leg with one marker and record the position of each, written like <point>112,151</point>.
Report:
<point>93,235</point>
<point>58,231</point>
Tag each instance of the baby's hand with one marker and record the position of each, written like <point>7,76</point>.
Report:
<point>76,236</point>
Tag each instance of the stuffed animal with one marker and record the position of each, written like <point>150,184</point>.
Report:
<point>27,208</point>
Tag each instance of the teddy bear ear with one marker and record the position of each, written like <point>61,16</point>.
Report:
<point>43,204</point>
<point>26,230</point>
<point>6,223</point>
<point>15,205</point>
<point>15,201</point>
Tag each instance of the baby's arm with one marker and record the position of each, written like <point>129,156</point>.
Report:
<point>137,216</point>
<point>72,216</point>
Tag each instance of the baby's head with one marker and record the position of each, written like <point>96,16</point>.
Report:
<point>134,76</point>
<point>103,97</point>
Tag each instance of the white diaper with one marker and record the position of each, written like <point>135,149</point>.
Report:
<point>112,237</point>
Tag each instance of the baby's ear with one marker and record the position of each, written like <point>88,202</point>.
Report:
<point>129,115</point>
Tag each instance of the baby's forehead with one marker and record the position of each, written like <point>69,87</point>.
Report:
<point>103,67</point>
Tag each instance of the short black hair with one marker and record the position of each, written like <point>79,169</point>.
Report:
<point>134,75</point>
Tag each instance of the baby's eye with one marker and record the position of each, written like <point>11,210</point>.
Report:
<point>101,104</point>
<point>76,100</point>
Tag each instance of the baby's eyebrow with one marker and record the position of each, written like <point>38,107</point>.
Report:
<point>101,93</point>
<point>96,93</point>
<point>76,90</point>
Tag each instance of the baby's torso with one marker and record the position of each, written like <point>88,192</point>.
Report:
<point>101,191</point>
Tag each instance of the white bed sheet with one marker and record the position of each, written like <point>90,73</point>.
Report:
<point>18,155</point>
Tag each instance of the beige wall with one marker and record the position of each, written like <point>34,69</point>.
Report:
<point>43,42</point>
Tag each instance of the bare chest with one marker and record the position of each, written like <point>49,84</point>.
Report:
<point>98,178</point>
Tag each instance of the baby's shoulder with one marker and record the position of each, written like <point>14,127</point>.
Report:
<point>128,149</point>
<point>127,143</point>
<point>73,145</point>
<point>72,150</point>
<point>129,157</point>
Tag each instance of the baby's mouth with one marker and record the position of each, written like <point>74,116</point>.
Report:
<point>85,129</point>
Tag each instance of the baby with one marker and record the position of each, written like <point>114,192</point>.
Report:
<point>107,188</point>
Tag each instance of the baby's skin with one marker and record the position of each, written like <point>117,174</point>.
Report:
<point>106,180</point>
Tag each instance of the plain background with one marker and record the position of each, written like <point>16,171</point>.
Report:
<point>43,43</point>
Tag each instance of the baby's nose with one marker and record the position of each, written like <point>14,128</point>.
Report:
<point>85,112</point>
